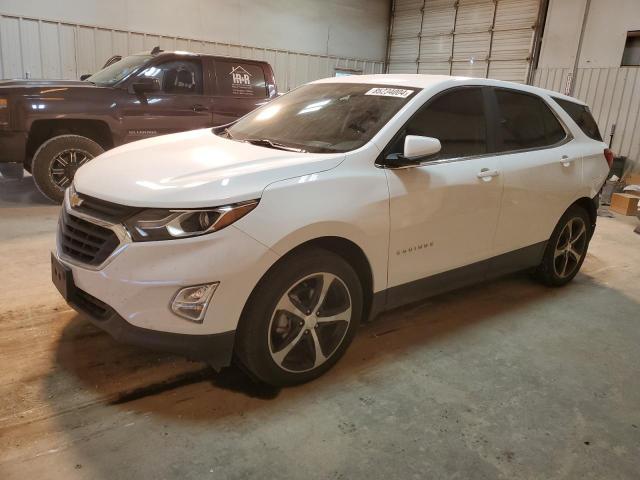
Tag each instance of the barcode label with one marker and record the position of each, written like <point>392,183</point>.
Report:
<point>389,92</point>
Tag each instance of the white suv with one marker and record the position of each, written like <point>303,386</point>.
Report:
<point>269,241</point>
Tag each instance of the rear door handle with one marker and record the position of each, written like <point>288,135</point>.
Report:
<point>486,174</point>
<point>565,161</point>
<point>199,108</point>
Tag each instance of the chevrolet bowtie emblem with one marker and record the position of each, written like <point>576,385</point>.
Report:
<point>75,200</point>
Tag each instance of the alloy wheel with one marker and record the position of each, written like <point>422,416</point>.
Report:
<point>570,247</point>
<point>310,322</point>
<point>65,164</point>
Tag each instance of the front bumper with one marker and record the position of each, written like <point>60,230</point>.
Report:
<point>215,349</point>
<point>130,293</point>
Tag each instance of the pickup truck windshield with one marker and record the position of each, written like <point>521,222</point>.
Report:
<point>119,70</point>
<point>324,117</point>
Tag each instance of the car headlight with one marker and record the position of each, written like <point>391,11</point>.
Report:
<point>159,224</point>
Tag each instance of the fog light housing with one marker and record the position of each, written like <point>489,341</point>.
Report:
<point>192,302</point>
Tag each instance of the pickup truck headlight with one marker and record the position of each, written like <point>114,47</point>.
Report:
<point>159,224</point>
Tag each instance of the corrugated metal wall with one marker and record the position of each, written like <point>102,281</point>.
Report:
<point>614,97</point>
<point>475,38</point>
<point>50,49</point>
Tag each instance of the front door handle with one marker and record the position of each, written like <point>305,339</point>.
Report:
<point>486,174</point>
<point>199,108</point>
<point>565,161</point>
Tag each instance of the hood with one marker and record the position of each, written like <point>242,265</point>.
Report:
<point>192,169</point>
<point>43,83</point>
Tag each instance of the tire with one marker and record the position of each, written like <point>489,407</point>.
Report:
<point>51,175</point>
<point>277,346</point>
<point>563,258</point>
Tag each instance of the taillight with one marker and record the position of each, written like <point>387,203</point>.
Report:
<point>608,155</point>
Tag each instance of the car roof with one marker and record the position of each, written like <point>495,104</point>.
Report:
<point>426,81</point>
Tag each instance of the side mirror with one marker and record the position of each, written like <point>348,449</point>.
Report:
<point>416,148</point>
<point>145,85</point>
<point>85,76</point>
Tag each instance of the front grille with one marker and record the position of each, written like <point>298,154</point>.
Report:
<point>113,212</point>
<point>90,304</point>
<point>85,241</point>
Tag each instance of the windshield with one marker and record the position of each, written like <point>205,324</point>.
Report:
<point>119,70</point>
<point>324,117</point>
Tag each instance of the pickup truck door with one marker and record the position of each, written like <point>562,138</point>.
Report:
<point>240,88</point>
<point>181,103</point>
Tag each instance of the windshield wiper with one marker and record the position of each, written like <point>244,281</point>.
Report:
<point>228,133</point>
<point>265,142</point>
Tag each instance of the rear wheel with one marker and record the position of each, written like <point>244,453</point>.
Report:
<point>567,248</point>
<point>57,160</point>
<point>300,319</point>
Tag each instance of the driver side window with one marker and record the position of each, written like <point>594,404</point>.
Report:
<point>456,118</point>
<point>178,77</point>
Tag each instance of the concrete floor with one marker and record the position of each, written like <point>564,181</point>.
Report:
<point>503,380</point>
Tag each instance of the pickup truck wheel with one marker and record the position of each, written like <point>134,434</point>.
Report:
<point>56,161</point>
<point>300,319</point>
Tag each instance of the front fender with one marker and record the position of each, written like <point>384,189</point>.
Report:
<point>350,202</point>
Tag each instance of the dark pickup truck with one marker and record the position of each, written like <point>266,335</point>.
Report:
<point>52,127</point>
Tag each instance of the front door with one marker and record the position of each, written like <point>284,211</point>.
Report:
<point>179,105</point>
<point>444,213</point>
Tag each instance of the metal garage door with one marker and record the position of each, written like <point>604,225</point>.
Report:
<point>479,38</point>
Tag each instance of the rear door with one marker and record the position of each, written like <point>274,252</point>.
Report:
<point>541,168</point>
<point>180,104</point>
<point>443,214</point>
<point>241,86</point>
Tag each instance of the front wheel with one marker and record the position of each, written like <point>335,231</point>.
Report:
<point>300,319</point>
<point>57,160</point>
<point>567,248</point>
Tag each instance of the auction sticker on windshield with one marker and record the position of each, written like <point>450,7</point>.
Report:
<point>389,92</point>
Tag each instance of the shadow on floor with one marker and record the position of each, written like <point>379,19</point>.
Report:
<point>144,379</point>
<point>21,192</point>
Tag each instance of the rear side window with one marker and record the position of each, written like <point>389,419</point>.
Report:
<point>582,116</point>
<point>457,119</point>
<point>240,79</point>
<point>525,121</point>
<point>179,77</point>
